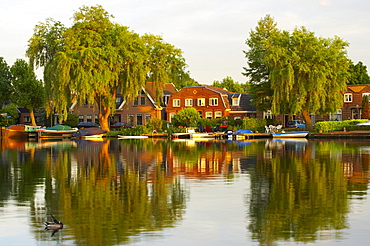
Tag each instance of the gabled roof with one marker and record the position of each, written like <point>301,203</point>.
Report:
<point>245,102</point>
<point>356,88</point>
<point>150,91</point>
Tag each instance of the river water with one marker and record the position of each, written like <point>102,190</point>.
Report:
<point>159,192</point>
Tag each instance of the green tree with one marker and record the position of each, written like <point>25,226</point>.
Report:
<point>306,74</point>
<point>11,111</point>
<point>186,117</point>
<point>257,70</point>
<point>72,120</point>
<point>229,84</point>
<point>29,92</point>
<point>6,90</point>
<point>96,57</point>
<point>358,74</point>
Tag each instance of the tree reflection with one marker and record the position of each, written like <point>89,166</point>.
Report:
<point>104,201</point>
<point>297,197</point>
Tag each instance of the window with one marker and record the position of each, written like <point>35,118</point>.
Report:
<point>27,119</point>
<point>130,119</point>
<point>348,97</point>
<point>139,119</point>
<point>213,101</point>
<point>209,115</point>
<point>165,99</point>
<point>201,102</point>
<point>267,114</point>
<point>366,94</point>
<point>97,119</point>
<point>218,114</point>
<point>89,118</point>
<point>140,100</point>
<point>235,101</point>
<point>80,118</point>
<point>188,102</point>
<point>176,102</point>
<point>147,118</point>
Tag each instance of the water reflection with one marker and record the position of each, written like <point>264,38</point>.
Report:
<point>106,192</point>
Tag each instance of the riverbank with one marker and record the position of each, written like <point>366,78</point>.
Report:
<point>342,134</point>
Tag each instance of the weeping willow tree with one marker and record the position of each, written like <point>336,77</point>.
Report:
<point>95,58</point>
<point>305,74</point>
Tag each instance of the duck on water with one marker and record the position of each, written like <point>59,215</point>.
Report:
<point>54,226</point>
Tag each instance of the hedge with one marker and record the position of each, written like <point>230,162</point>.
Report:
<point>350,125</point>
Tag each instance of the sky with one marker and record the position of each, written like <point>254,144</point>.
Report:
<point>211,33</point>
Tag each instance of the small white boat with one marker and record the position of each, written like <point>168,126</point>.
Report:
<point>131,137</point>
<point>202,135</point>
<point>290,135</point>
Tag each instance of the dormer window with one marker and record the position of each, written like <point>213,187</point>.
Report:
<point>235,101</point>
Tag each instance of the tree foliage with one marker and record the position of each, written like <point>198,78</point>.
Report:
<point>95,57</point>
<point>11,111</point>
<point>186,117</point>
<point>229,84</point>
<point>299,73</point>
<point>29,92</point>
<point>257,70</point>
<point>6,90</point>
<point>358,74</point>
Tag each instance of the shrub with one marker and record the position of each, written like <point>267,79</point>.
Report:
<point>328,126</point>
<point>186,117</point>
<point>136,131</point>
<point>72,120</point>
<point>154,125</point>
<point>254,124</point>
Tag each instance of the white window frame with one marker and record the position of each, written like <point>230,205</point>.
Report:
<point>267,114</point>
<point>235,101</point>
<point>218,114</point>
<point>366,94</point>
<point>201,102</point>
<point>175,102</point>
<point>348,97</point>
<point>209,115</point>
<point>188,102</point>
<point>213,101</point>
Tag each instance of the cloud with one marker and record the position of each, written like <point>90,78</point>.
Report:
<point>325,2</point>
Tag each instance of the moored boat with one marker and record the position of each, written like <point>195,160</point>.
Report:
<point>19,131</point>
<point>90,133</point>
<point>290,134</point>
<point>58,131</point>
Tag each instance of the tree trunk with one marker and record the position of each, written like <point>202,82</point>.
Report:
<point>104,117</point>
<point>307,120</point>
<point>32,116</point>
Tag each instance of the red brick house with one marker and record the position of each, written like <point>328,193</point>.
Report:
<point>138,112</point>
<point>145,107</point>
<point>211,102</point>
<point>353,101</point>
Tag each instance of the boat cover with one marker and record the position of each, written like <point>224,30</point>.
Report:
<point>89,132</point>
